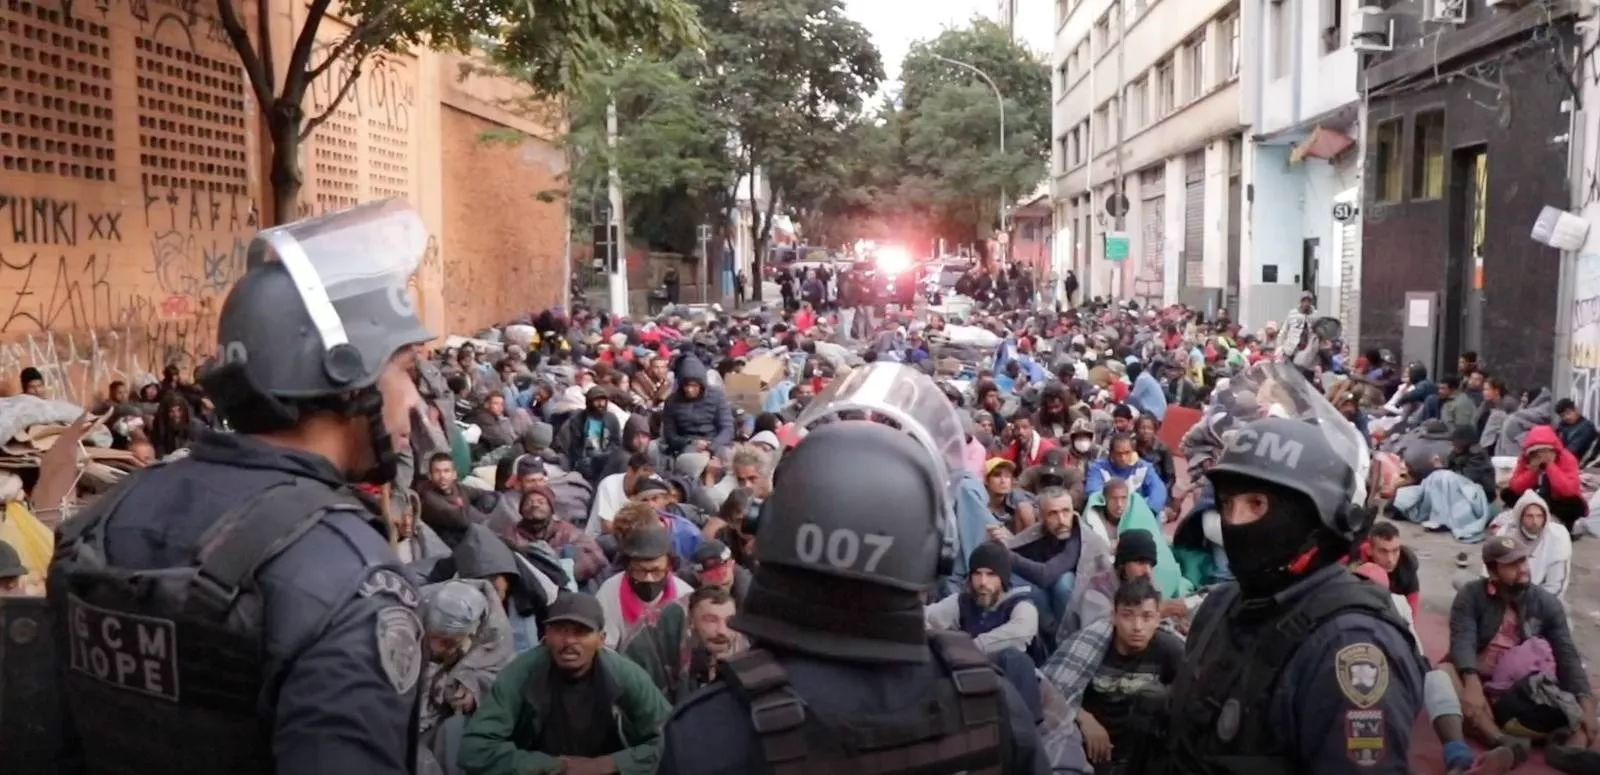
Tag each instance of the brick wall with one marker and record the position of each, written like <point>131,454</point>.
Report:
<point>504,248</point>
<point>131,181</point>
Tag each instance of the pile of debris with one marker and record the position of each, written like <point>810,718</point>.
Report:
<point>32,428</point>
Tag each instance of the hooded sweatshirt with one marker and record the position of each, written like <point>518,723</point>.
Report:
<point>685,420</point>
<point>1559,480</point>
<point>482,555</point>
<point>1550,558</point>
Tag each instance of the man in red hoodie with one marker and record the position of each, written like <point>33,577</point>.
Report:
<point>1546,467</point>
<point>1027,445</point>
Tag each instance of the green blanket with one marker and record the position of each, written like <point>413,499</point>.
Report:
<point>1168,575</point>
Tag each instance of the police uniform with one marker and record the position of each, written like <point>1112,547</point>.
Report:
<point>1321,676</point>
<point>843,676</point>
<point>240,611</point>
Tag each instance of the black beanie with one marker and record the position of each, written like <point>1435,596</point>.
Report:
<point>1135,546</point>
<point>992,557</point>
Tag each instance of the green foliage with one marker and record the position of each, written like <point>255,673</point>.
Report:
<point>550,44</point>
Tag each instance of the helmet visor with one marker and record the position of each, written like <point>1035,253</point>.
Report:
<point>900,396</point>
<point>367,249</point>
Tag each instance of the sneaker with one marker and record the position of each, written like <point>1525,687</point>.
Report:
<point>1462,560</point>
<point>1430,525</point>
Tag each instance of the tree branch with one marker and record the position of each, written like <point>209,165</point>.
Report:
<point>367,28</point>
<point>264,33</point>
<point>294,76</point>
<point>318,120</point>
<point>260,80</point>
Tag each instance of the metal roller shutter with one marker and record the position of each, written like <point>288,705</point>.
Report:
<point>1149,280</point>
<point>1194,221</point>
<point>1349,311</point>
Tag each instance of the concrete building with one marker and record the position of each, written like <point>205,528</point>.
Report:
<point>1299,96</point>
<point>1030,22</point>
<point>1146,117</point>
<point>1458,166</point>
<point>133,167</point>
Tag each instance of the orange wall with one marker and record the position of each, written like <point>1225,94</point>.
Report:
<point>130,180</point>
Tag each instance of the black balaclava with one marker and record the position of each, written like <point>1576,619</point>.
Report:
<point>1268,555</point>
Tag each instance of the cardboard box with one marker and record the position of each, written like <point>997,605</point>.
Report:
<point>745,391</point>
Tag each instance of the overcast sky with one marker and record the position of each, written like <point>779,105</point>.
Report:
<point>896,25</point>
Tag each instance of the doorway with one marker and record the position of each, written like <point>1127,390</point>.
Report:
<point>1462,329</point>
<point>1310,264</point>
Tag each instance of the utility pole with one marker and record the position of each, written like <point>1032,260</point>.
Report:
<point>618,280</point>
<point>704,233</point>
<point>1001,101</point>
<point>1119,218</point>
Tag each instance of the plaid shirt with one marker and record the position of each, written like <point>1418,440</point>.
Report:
<point>1074,663</point>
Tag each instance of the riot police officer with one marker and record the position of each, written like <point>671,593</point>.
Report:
<point>240,611</point>
<point>1298,666</point>
<point>844,676</point>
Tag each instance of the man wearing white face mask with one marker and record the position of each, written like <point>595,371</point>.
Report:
<point>1081,450</point>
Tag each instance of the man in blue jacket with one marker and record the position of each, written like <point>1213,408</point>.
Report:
<point>1122,461</point>
<point>697,417</point>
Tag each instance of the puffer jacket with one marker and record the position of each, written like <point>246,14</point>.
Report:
<point>685,420</point>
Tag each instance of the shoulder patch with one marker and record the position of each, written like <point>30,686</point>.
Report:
<point>1363,673</point>
<point>399,638</point>
<point>384,581</point>
<point>1364,737</point>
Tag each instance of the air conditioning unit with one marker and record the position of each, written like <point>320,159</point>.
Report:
<point>1448,11</point>
<point>1373,30</point>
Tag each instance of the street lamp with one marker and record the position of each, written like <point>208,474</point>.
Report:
<point>1001,101</point>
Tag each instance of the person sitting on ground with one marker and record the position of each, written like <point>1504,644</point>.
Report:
<point>1120,672</point>
<point>569,705</point>
<point>1547,467</point>
<point>1051,555</point>
<point>1576,431</point>
<point>1137,557</point>
<point>1122,461</point>
<point>1027,446</point>
<point>1384,548</point>
<point>1469,460</point>
<point>1001,619</point>
<point>1501,629</point>
<point>1012,506</point>
<point>713,565</point>
<point>1549,543</point>
<point>635,597</point>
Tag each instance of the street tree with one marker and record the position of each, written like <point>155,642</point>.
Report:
<point>672,155</point>
<point>548,42</point>
<point>786,77</point>
<point>951,125</point>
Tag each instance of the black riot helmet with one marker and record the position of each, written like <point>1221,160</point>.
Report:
<point>1298,455</point>
<point>322,307</point>
<point>858,524</point>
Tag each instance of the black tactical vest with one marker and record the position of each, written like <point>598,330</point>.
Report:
<point>163,670</point>
<point>962,729</point>
<point>1219,709</point>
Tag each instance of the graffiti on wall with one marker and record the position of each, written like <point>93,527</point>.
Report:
<point>62,311</point>
<point>122,222</point>
<point>1583,352</point>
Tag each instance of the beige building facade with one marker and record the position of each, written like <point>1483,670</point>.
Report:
<point>1148,145</point>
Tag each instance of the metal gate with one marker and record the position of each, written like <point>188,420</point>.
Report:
<point>1349,311</point>
<point>1194,221</point>
<point>1149,281</point>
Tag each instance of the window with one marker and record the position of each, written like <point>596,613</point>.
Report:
<point>1228,61</point>
<point>1166,89</point>
<point>1194,68</point>
<point>1427,155</point>
<point>1279,16</point>
<point>1390,178</point>
<point>1138,103</point>
<point>1136,8</point>
<point>1102,34</point>
<point>1332,25</point>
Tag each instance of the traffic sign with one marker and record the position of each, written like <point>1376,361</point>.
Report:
<point>1117,246</point>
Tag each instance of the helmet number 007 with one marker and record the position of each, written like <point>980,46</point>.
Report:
<point>841,547</point>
